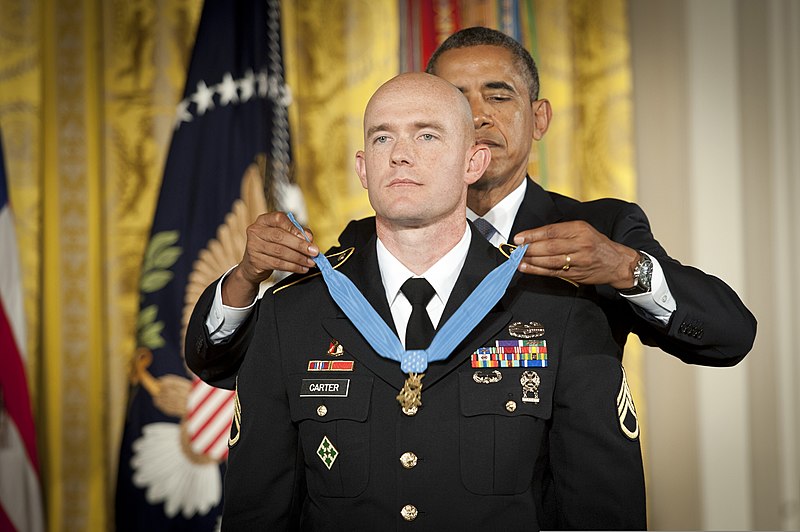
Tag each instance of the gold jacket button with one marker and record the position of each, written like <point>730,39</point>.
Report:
<point>511,406</point>
<point>410,411</point>
<point>409,460</point>
<point>409,512</point>
<point>322,410</point>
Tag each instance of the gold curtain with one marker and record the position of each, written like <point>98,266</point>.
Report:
<point>583,53</point>
<point>584,61</point>
<point>87,97</point>
<point>337,53</point>
<point>88,90</point>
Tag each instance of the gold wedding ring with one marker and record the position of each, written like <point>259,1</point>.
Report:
<point>565,267</point>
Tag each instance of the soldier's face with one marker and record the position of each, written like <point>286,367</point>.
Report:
<point>417,142</point>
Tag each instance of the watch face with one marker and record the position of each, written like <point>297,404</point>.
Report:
<point>642,274</point>
<point>645,273</point>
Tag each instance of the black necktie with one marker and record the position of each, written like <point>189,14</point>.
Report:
<point>419,331</point>
<point>484,228</point>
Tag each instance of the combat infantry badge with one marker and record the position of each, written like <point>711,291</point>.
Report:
<point>533,329</point>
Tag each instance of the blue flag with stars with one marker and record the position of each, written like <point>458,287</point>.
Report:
<point>229,160</point>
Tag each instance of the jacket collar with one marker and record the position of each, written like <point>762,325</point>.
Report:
<point>363,271</point>
<point>537,209</point>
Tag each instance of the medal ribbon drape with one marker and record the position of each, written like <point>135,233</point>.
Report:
<point>383,339</point>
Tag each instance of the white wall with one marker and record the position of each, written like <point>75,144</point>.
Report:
<point>716,89</point>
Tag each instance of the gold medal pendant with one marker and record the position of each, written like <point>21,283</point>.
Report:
<point>410,397</point>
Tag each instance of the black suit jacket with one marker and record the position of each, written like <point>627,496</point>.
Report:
<point>711,326</point>
<point>486,460</point>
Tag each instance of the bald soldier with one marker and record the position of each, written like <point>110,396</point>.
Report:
<point>521,422</point>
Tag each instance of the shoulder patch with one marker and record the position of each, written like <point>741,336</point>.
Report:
<point>336,260</point>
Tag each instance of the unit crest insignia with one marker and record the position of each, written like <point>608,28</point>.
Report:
<point>335,349</point>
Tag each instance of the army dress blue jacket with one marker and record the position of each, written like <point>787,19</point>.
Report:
<point>319,441</point>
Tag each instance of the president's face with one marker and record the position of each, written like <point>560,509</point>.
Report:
<point>502,111</point>
<point>417,143</point>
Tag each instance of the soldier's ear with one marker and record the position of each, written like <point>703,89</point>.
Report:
<point>542,114</point>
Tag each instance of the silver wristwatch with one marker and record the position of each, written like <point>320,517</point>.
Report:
<point>642,275</point>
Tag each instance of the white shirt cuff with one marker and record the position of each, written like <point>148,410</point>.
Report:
<point>222,320</point>
<point>658,302</point>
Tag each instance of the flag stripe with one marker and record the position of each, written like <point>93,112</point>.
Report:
<point>15,390</point>
<point>20,497</point>
<point>5,522</point>
<point>220,449</point>
<point>223,426</point>
<point>203,435</point>
<point>20,491</point>
<point>10,277</point>
<point>199,397</point>
<point>202,415</point>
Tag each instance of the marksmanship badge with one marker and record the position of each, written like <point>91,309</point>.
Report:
<point>487,377</point>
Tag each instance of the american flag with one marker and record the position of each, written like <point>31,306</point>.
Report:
<point>231,137</point>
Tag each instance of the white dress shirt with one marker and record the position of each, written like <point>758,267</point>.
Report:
<point>442,276</point>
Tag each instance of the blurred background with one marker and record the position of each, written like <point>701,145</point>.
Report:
<point>688,107</point>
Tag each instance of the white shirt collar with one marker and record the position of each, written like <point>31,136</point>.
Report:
<point>442,276</point>
<point>502,215</point>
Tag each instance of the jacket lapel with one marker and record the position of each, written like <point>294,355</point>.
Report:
<point>482,258</point>
<point>537,209</point>
<point>362,270</point>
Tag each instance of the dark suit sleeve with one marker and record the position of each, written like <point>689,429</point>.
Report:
<point>215,363</point>
<point>710,326</point>
<point>264,479</point>
<point>598,476</point>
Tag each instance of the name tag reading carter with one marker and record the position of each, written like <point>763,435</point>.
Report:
<point>324,387</point>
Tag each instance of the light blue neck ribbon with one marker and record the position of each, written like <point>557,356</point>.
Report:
<point>386,343</point>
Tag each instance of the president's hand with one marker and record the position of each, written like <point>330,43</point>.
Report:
<point>273,243</point>
<point>577,251</point>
